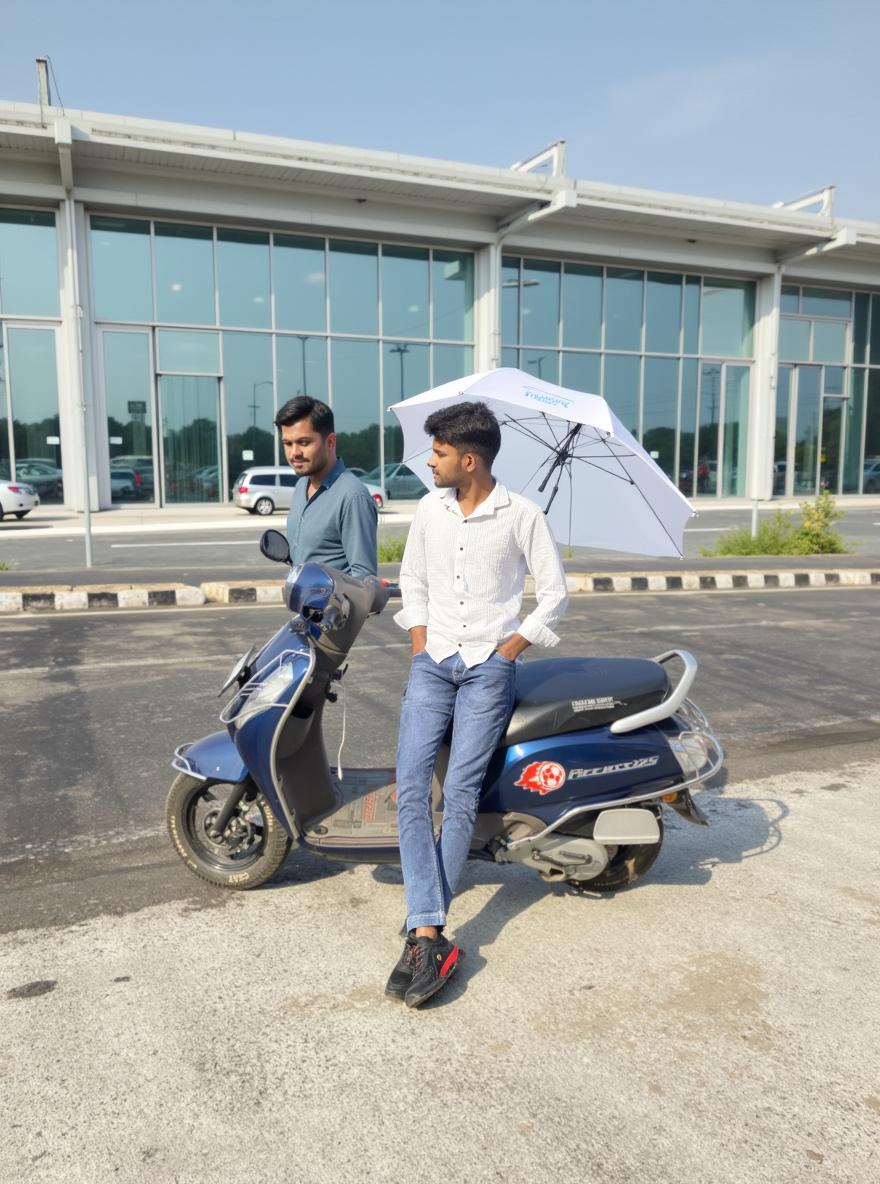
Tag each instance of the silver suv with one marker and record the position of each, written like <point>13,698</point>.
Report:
<point>263,489</point>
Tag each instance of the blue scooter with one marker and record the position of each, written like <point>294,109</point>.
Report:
<point>594,748</point>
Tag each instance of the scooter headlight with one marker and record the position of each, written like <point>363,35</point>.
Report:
<point>691,750</point>
<point>268,692</point>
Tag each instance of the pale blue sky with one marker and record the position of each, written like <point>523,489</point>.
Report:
<point>754,100</point>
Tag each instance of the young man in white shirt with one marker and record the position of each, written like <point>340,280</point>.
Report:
<point>467,554</point>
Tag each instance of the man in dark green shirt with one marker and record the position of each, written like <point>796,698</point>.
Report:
<point>332,518</point>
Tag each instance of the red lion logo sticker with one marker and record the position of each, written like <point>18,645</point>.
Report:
<point>542,777</point>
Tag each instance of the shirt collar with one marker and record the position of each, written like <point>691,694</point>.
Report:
<point>334,475</point>
<point>497,498</point>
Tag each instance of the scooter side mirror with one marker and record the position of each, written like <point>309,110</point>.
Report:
<point>274,546</point>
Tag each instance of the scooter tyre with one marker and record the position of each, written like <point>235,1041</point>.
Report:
<point>248,873</point>
<point>628,865</point>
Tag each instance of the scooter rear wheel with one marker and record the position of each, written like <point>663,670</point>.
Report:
<point>629,864</point>
<point>252,848</point>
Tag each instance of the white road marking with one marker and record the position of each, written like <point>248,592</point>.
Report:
<point>209,543</point>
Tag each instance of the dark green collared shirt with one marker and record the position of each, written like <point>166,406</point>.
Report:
<point>336,526</point>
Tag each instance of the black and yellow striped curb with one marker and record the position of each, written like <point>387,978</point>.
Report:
<point>136,596</point>
<point>78,599</point>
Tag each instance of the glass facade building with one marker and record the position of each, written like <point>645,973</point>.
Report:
<point>207,330</point>
<point>164,289</point>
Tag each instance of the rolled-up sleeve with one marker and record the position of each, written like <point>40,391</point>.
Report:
<point>358,533</point>
<point>414,576</point>
<point>551,591</point>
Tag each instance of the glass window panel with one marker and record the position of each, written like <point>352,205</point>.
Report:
<point>790,299</point>
<point>661,411</point>
<point>355,370</point>
<point>509,357</point>
<point>834,376</point>
<point>190,409</point>
<point>736,430</point>
<point>692,315</point>
<point>299,274</point>
<point>121,269</point>
<point>582,306</point>
<point>622,373</point>
<point>452,279</point>
<point>582,372</point>
<point>510,287</point>
<point>302,367</point>
<point>663,313</point>
<point>28,264</point>
<point>243,267</point>
<point>185,274</point>
<point>354,292</point>
<point>806,444</point>
<point>33,388</point>
<point>189,352</point>
<point>623,309</point>
<point>128,398</point>
<point>543,363</point>
<point>454,361</point>
<point>728,317</point>
<point>829,452</point>
<point>874,356</point>
<point>540,302</point>
<point>5,453</point>
<point>794,340</point>
<point>406,372</point>
<point>852,441</point>
<point>819,302</point>
<point>860,328</point>
<point>871,468</point>
<point>249,399</point>
<point>780,438</point>
<point>687,439</point>
<point>829,341</point>
<point>405,292</point>
<point>707,429</point>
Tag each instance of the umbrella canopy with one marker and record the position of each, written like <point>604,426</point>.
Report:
<point>569,454</point>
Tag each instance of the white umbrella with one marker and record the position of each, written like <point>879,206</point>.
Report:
<point>569,453</point>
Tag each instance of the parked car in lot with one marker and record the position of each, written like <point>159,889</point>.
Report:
<point>125,484</point>
<point>264,489</point>
<point>41,475</point>
<point>143,465</point>
<point>871,475</point>
<point>399,481</point>
<point>17,498</point>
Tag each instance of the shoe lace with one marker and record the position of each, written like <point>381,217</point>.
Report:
<point>417,956</point>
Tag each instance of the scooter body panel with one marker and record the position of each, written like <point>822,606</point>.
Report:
<point>213,758</point>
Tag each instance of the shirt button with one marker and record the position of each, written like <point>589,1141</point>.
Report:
<point>461,548</point>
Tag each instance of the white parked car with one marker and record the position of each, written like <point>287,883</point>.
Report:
<point>263,489</point>
<point>17,498</point>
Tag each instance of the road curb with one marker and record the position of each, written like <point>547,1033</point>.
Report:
<point>73,599</point>
<point>55,598</point>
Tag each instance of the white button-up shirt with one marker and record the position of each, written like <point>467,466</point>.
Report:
<point>464,577</point>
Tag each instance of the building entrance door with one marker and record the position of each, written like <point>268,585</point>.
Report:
<point>190,410</point>
<point>127,362</point>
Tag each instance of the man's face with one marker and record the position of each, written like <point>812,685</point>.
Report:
<point>306,450</point>
<point>450,467</point>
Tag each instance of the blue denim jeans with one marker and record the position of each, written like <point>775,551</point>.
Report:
<point>479,701</point>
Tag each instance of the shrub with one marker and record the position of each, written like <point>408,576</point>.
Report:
<point>782,535</point>
<point>391,549</point>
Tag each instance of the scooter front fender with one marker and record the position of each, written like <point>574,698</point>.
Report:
<point>213,758</point>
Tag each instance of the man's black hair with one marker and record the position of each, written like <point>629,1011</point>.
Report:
<point>319,415</point>
<point>469,427</point>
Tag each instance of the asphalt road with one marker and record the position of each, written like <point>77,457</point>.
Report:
<point>197,555</point>
<point>717,1021</point>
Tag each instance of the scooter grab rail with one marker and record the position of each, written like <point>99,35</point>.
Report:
<point>652,715</point>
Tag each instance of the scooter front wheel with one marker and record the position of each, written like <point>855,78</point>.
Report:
<point>628,864</point>
<point>253,846</point>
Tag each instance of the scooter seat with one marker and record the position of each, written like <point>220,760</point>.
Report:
<point>569,694</point>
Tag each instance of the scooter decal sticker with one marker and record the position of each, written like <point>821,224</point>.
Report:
<point>600,704</point>
<point>542,777</point>
<point>646,762</point>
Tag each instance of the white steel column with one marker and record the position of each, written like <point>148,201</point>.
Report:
<point>762,396</point>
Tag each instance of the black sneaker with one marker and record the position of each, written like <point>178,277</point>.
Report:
<point>433,960</point>
<point>402,974</point>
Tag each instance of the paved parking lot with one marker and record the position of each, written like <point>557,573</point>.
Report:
<point>716,1022</point>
